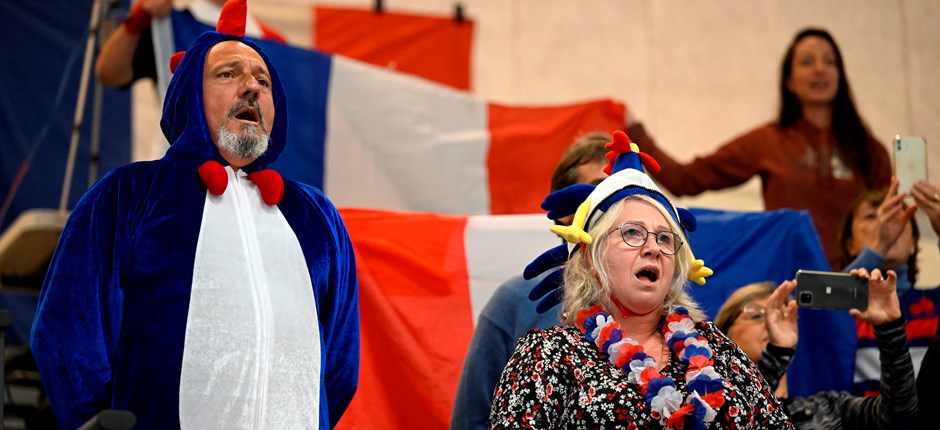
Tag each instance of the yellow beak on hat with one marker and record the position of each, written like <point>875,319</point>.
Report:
<point>575,233</point>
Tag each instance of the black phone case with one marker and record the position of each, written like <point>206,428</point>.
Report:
<point>831,291</point>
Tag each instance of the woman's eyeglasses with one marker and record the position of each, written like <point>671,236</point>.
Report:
<point>635,235</point>
<point>754,313</point>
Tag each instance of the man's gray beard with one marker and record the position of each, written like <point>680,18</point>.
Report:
<point>247,146</point>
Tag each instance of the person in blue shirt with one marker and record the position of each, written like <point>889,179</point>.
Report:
<point>509,314</point>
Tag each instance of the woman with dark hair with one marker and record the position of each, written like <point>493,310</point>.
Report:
<point>818,155</point>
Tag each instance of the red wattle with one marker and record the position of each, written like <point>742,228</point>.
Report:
<point>213,175</point>
<point>270,184</point>
<point>627,313</point>
<point>651,164</point>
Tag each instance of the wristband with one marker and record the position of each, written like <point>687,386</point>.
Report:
<point>137,20</point>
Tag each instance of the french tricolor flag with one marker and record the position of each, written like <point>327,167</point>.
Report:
<point>423,279</point>
<point>370,137</point>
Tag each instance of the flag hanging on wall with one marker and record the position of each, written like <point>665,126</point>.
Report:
<point>423,279</point>
<point>374,138</point>
<point>435,48</point>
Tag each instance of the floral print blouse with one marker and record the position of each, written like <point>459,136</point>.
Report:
<point>557,379</point>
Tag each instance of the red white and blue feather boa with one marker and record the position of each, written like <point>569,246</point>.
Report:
<point>704,391</point>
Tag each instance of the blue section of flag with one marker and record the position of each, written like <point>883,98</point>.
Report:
<point>306,78</point>
<point>748,247</point>
<point>785,236</point>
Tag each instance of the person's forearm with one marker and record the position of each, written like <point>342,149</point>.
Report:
<point>773,364</point>
<point>897,374</point>
<point>114,67</point>
<point>868,259</point>
<point>896,405</point>
<point>731,164</point>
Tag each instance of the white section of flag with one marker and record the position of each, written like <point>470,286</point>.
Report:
<point>371,113</point>
<point>499,247</point>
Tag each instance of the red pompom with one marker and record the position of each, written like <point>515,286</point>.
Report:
<point>270,184</point>
<point>214,176</point>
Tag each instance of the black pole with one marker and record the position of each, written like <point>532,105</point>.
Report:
<point>458,13</point>
<point>6,318</point>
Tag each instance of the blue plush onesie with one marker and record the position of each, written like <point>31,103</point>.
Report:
<point>196,310</point>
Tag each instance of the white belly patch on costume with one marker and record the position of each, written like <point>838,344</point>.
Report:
<point>251,357</point>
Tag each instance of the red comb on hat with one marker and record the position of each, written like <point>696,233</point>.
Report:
<point>175,60</point>
<point>233,17</point>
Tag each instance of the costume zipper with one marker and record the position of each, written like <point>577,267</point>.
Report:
<point>262,301</point>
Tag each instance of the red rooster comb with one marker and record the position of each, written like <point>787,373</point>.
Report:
<point>175,60</point>
<point>233,17</point>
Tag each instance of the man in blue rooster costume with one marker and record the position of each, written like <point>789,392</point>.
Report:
<point>202,290</point>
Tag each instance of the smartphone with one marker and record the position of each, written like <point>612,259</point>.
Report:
<point>910,161</point>
<point>830,290</point>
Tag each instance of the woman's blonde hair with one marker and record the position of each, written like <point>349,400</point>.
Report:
<point>588,283</point>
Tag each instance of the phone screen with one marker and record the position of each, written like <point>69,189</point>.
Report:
<point>910,161</point>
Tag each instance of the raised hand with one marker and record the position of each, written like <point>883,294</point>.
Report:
<point>883,304</point>
<point>927,197</point>
<point>781,316</point>
<point>892,219</point>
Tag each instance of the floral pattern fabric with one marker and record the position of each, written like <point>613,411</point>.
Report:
<point>557,379</point>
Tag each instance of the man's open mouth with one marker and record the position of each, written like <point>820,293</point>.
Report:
<point>247,114</point>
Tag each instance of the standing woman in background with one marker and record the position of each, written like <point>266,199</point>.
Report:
<point>818,155</point>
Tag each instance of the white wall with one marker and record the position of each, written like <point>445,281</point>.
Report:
<point>696,72</point>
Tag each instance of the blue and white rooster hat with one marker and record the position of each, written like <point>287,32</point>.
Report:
<point>587,202</point>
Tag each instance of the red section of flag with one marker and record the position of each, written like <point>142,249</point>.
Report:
<point>433,48</point>
<point>922,328</point>
<point>526,143</point>
<point>865,330</point>
<point>415,317</point>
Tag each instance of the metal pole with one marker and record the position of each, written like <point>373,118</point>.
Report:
<point>94,145</point>
<point>163,48</point>
<point>6,319</point>
<point>80,104</point>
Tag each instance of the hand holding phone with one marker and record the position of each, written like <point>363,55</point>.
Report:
<point>883,303</point>
<point>831,290</point>
<point>910,161</point>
